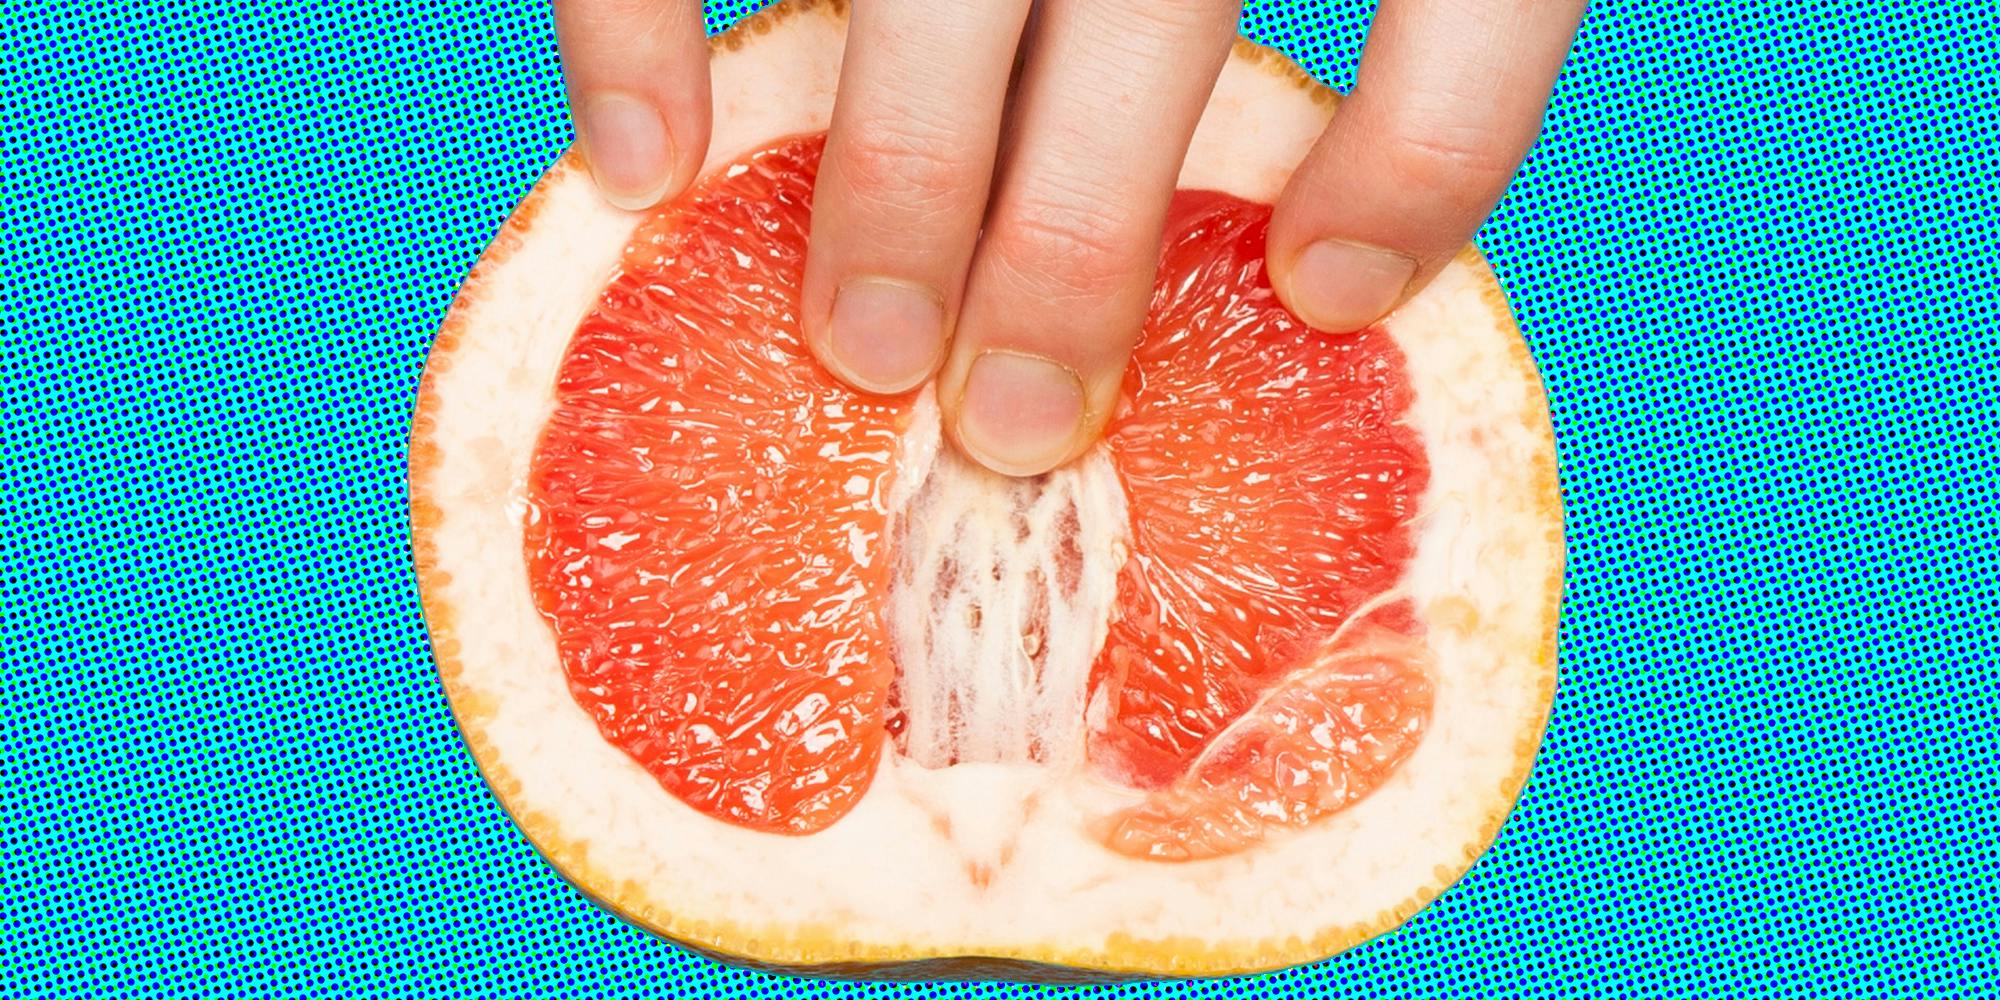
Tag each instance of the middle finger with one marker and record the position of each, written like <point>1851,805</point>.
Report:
<point>1059,284</point>
<point>903,183</point>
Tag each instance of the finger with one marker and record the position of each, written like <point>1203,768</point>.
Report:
<point>637,72</point>
<point>1062,276</point>
<point>1448,100</point>
<point>903,183</point>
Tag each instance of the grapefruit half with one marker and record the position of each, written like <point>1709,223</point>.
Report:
<point>762,664</point>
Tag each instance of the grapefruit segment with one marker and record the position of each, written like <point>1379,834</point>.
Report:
<point>1318,741</point>
<point>1271,485</point>
<point>707,516</point>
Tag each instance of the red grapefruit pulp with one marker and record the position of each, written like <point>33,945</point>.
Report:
<point>710,536</point>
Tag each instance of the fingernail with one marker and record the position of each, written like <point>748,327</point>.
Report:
<point>631,154</point>
<point>884,336</point>
<point>1019,412</point>
<point>1345,286</point>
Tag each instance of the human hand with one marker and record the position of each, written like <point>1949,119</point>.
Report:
<point>1004,238</point>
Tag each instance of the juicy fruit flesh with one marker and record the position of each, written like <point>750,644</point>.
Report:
<point>709,536</point>
<point>1314,743</point>
<point>1269,485</point>
<point>708,509</point>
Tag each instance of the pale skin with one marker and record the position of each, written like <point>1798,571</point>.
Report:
<point>995,226</point>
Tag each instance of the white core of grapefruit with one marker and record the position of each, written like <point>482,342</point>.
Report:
<point>984,860</point>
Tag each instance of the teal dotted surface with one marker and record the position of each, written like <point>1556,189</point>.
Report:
<point>1755,256</point>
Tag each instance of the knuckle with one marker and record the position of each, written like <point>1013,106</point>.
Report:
<point>1174,16</point>
<point>1468,165</point>
<point>884,165</point>
<point>616,18</point>
<point>1063,251</point>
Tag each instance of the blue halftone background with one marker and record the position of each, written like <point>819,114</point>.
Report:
<point>1755,255</point>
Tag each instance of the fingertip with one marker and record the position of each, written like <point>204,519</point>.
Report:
<point>1019,414</point>
<point>637,77</point>
<point>630,148</point>
<point>884,336</point>
<point>1339,285</point>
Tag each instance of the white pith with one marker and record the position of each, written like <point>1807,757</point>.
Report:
<point>993,650</point>
<point>990,858</point>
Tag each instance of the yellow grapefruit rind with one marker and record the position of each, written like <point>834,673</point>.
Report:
<point>822,949</point>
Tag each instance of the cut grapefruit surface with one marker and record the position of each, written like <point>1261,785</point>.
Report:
<point>708,532</point>
<point>761,663</point>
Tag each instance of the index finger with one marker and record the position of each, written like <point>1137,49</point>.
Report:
<point>637,73</point>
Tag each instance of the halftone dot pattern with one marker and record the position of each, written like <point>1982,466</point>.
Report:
<point>1755,255</point>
